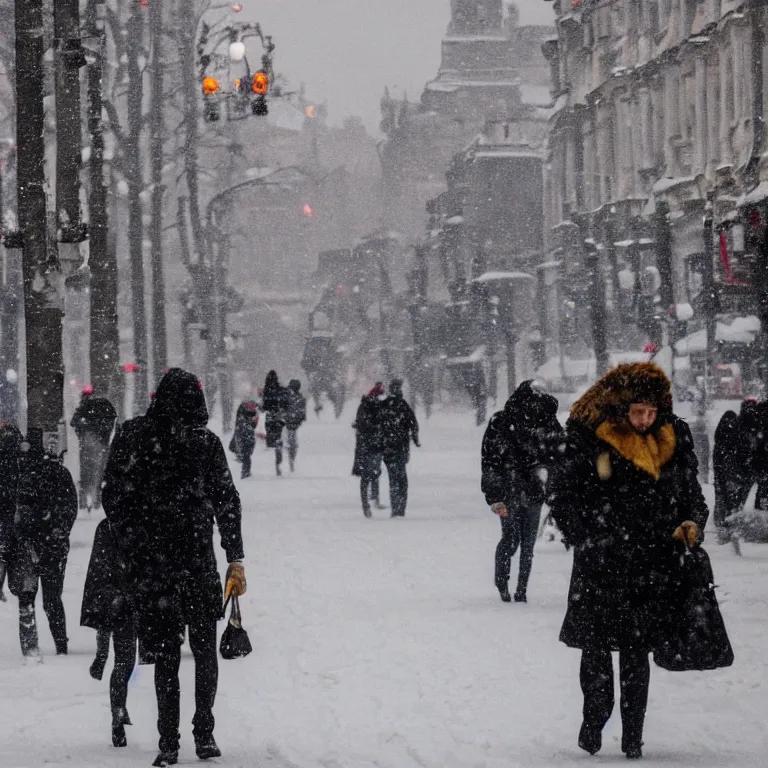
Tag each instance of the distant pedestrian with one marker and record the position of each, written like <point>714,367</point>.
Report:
<point>166,484</point>
<point>275,406</point>
<point>93,422</point>
<point>369,446</point>
<point>520,444</point>
<point>46,512</point>
<point>244,436</point>
<point>107,608</point>
<point>399,429</point>
<point>295,416</point>
<point>625,490</point>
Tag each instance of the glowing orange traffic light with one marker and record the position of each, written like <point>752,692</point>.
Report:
<point>210,86</point>
<point>260,84</point>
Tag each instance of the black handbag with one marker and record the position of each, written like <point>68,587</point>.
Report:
<point>694,635</point>
<point>234,642</point>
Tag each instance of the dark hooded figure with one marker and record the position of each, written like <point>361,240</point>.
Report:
<point>167,482</point>
<point>295,416</point>
<point>45,514</point>
<point>244,436</point>
<point>369,446</point>
<point>399,428</point>
<point>275,399</point>
<point>107,608</point>
<point>519,442</point>
<point>93,422</point>
<point>734,462</point>
<point>625,493</point>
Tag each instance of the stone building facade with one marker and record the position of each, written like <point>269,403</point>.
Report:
<point>659,123</point>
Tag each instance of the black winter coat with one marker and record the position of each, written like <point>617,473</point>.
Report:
<point>621,526</point>
<point>166,482</point>
<point>244,436</point>
<point>45,514</point>
<point>399,427</point>
<point>296,409</point>
<point>95,415</point>
<point>369,442</point>
<point>105,596</point>
<point>518,443</point>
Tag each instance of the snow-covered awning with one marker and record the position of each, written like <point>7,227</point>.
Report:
<point>742,330</point>
<point>490,277</point>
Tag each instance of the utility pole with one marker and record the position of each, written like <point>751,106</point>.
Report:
<point>43,314</point>
<point>156,136</point>
<point>135,179</point>
<point>104,336</point>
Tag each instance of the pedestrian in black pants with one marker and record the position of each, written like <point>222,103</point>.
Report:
<point>46,513</point>
<point>107,609</point>
<point>275,399</point>
<point>625,493</point>
<point>295,416</point>
<point>399,428</point>
<point>520,442</point>
<point>167,482</point>
<point>244,435</point>
<point>369,446</point>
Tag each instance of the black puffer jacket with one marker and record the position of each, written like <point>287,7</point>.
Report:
<point>95,415</point>
<point>166,483</point>
<point>518,442</point>
<point>620,517</point>
<point>399,428</point>
<point>244,436</point>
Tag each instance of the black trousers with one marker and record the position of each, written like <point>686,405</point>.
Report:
<point>293,445</point>
<point>596,678</point>
<point>398,484</point>
<point>53,586</point>
<point>519,529</point>
<point>202,641</point>
<point>246,461</point>
<point>124,642</point>
<point>369,490</point>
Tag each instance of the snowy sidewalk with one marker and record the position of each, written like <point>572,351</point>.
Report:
<point>383,642</point>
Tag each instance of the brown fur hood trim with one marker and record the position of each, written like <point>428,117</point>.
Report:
<point>610,396</point>
<point>647,452</point>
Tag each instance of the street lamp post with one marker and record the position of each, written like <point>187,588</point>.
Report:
<point>597,307</point>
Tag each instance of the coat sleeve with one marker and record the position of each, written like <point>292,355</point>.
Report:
<point>226,503</point>
<point>66,501</point>
<point>695,506</point>
<point>493,478</point>
<point>413,425</point>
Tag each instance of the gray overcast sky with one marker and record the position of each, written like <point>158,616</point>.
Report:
<point>346,51</point>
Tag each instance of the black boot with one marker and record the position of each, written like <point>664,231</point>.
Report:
<point>118,735</point>
<point>206,748</point>
<point>504,593</point>
<point>97,668</point>
<point>367,512</point>
<point>634,752</point>
<point>166,757</point>
<point>520,597</point>
<point>590,739</point>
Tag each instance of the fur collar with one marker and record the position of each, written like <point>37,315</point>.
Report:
<point>647,452</point>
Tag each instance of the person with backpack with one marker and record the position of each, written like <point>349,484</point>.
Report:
<point>625,492</point>
<point>166,484</point>
<point>295,416</point>
<point>519,443</point>
<point>399,428</point>
<point>45,515</point>
<point>244,436</point>
<point>106,607</point>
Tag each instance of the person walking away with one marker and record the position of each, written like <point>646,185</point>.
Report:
<point>275,405</point>
<point>624,490</point>
<point>399,428</point>
<point>167,482</point>
<point>93,422</point>
<point>244,436</point>
<point>519,442</point>
<point>10,445</point>
<point>734,458</point>
<point>107,609</point>
<point>369,447</point>
<point>296,415</point>
<point>45,514</point>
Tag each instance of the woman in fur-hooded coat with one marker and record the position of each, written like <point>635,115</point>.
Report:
<point>622,493</point>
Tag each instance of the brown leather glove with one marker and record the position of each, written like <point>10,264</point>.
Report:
<point>235,582</point>
<point>687,532</point>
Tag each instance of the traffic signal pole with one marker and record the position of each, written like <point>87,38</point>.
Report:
<point>42,308</point>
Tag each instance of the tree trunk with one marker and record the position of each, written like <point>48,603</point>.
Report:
<point>156,111</point>
<point>45,367</point>
<point>135,178</point>
<point>105,335</point>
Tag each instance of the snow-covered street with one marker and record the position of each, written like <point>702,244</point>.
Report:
<point>384,643</point>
